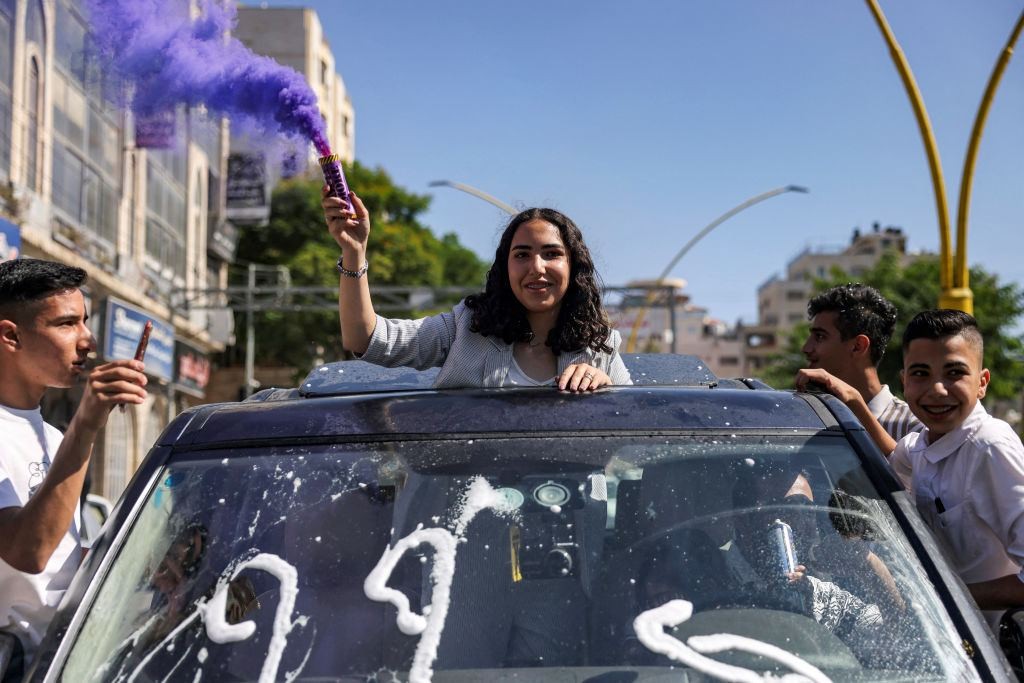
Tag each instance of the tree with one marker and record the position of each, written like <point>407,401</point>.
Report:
<point>913,288</point>
<point>403,251</point>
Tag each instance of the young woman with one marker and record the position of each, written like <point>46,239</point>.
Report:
<point>539,320</point>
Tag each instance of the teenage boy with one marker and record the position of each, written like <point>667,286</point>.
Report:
<point>44,342</point>
<point>966,468</point>
<point>850,327</point>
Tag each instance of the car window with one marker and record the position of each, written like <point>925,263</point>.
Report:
<point>348,561</point>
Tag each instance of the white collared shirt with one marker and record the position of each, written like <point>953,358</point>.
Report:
<point>893,414</point>
<point>969,487</point>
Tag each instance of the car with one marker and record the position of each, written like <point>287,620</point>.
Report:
<point>95,512</point>
<point>367,527</point>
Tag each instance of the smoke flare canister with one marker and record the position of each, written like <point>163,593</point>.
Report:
<point>782,547</point>
<point>335,177</point>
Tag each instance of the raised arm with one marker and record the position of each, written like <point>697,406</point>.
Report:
<point>806,378</point>
<point>32,533</point>
<point>355,308</point>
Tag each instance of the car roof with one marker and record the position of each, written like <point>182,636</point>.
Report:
<point>353,399</point>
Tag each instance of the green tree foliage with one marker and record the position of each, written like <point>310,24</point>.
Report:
<point>402,251</point>
<point>914,288</point>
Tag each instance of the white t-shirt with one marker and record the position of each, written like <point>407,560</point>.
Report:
<point>969,487</point>
<point>28,601</point>
<point>518,378</point>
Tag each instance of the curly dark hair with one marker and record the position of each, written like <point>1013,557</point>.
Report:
<point>582,321</point>
<point>859,309</point>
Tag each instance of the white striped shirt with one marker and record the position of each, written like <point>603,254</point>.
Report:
<point>893,414</point>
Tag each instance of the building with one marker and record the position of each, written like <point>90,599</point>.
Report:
<point>292,36</point>
<point>83,183</point>
<point>782,300</point>
<point>682,327</point>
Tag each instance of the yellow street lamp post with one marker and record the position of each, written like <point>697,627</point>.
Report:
<point>954,275</point>
<point>652,293</point>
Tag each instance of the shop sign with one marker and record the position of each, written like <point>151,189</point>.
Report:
<point>192,369</point>
<point>10,241</point>
<point>122,330</point>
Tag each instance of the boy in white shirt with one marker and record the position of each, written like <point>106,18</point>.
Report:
<point>44,342</point>
<point>966,468</point>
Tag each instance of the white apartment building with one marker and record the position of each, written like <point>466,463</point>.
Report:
<point>77,185</point>
<point>782,300</point>
<point>294,37</point>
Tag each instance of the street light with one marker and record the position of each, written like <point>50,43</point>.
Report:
<point>480,194</point>
<point>631,344</point>
<point>954,275</point>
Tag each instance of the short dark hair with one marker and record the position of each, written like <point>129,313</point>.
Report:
<point>582,321</point>
<point>26,281</point>
<point>943,322</point>
<point>859,309</point>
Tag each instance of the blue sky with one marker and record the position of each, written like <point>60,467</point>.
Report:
<point>644,121</point>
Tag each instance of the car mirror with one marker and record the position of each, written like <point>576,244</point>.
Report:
<point>1011,639</point>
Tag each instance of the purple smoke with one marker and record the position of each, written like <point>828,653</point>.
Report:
<point>171,59</point>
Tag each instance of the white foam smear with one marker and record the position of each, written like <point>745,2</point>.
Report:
<point>720,642</point>
<point>650,629</point>
<point>220,631</point>
<point>480,496</point>
<point>430,624</point>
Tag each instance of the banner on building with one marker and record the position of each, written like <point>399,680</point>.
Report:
<point>247,189</point>
<point>223,240</point>
<point>155,131</point>
<point>122,330</point>
<point>192,368</point>
<point>10,240</point>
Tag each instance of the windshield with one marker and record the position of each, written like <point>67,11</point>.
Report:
<point>445,559</point>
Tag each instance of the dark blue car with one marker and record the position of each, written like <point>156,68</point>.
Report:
<point>365,527</point>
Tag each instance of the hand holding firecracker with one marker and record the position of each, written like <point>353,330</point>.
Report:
<point>330,164</point>
<point>349,228</point>
<point>140,349</point>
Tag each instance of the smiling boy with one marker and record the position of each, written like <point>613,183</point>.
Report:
<point>966,468</point>
<point>45,342</point>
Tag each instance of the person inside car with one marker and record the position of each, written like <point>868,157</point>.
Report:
<point>762,494</point>
<point>540,320</point>
<point>45,342</point>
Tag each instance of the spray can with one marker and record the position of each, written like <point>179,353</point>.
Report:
<point>782,547</point>
<point>335,177</point>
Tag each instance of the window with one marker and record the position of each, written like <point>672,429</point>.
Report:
<point>6,78</point>
<point>87,135</point>
<point>35,39</point>
<point>32,95</point>
<point>581,544</point>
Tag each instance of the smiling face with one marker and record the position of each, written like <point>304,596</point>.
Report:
<point>942,381</point>
<point>538,267</point>
<point>54,343</point>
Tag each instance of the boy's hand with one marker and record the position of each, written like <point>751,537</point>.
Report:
<point>120,381</point>
<point>827,382</point>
